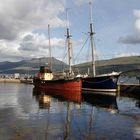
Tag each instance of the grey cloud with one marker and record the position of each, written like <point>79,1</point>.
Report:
<point>134,37</point>
<point>13,56</point>
<point>33,43</point>
<point>7,32</point>
<point>29,47</point>
<point>28,38</point>
<point>130,39</point>
<point>18,16</point>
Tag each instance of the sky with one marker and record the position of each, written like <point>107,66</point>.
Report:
<point>24,29</point>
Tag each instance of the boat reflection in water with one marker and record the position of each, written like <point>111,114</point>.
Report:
<point>44,98</point>
<point>85,116</point>
<point>74,96</point>
<point>103,101</point>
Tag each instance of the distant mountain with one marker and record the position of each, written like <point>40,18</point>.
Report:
<point>103,66</point>
<point>30,66</point>
<point>116,64</point>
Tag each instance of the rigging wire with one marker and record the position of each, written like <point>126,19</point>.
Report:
<point>81,49</point>
<point>66,42</point>
<point>72,54</point>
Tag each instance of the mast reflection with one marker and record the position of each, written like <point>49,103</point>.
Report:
<point>45,97</point>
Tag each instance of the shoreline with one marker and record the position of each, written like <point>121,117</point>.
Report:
<point>5,80</point>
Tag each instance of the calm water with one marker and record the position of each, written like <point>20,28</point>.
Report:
<point>29,114</point>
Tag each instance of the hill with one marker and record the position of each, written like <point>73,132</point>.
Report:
<point>103,66</point>
<point>30,66</point>
<point>115,64</point>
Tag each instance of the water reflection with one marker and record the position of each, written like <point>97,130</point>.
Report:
<point>111,104</point>
<point>74,96</point>
<point>27,113</point>
<point>129,103</point>
<point>73,100</point>
<point>45,97</point>
<point>90,120</point>
<point>104,101</point>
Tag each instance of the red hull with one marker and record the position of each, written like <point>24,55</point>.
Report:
<point>64,85</point>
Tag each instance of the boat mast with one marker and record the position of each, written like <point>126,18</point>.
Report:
<point>50,57</point>
<point>69,44</point>
<point>91,41</point>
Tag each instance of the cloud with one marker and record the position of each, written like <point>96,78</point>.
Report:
<point>33,45</point>
<point>133,38</point>
<point>9,51</point>
<point>30,45</point>
<point>36,42</point>
<point>130,39</point>
<point>19,16</point>
<point>32,42</point>
<point>137,21</point>
<point>18,22</point>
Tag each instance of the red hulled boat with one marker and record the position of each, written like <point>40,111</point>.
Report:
<point>47,80</point>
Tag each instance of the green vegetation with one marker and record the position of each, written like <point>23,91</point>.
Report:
<point>116,64</point>
<point>103,66</point>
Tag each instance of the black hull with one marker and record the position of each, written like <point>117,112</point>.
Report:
<point>100,83</point>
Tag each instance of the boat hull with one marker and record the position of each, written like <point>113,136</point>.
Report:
<point>61,84</point>
<point>100,83</point>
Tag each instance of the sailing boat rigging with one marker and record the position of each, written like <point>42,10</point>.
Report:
<point>46,80</point>
<point>105,82</point>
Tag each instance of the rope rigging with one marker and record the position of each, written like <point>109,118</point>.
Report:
<point>81,49</point>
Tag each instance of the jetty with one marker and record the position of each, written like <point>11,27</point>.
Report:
<point>129,82</point>
<point>135,88</point>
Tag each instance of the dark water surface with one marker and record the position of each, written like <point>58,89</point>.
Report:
<point>29,114</point>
